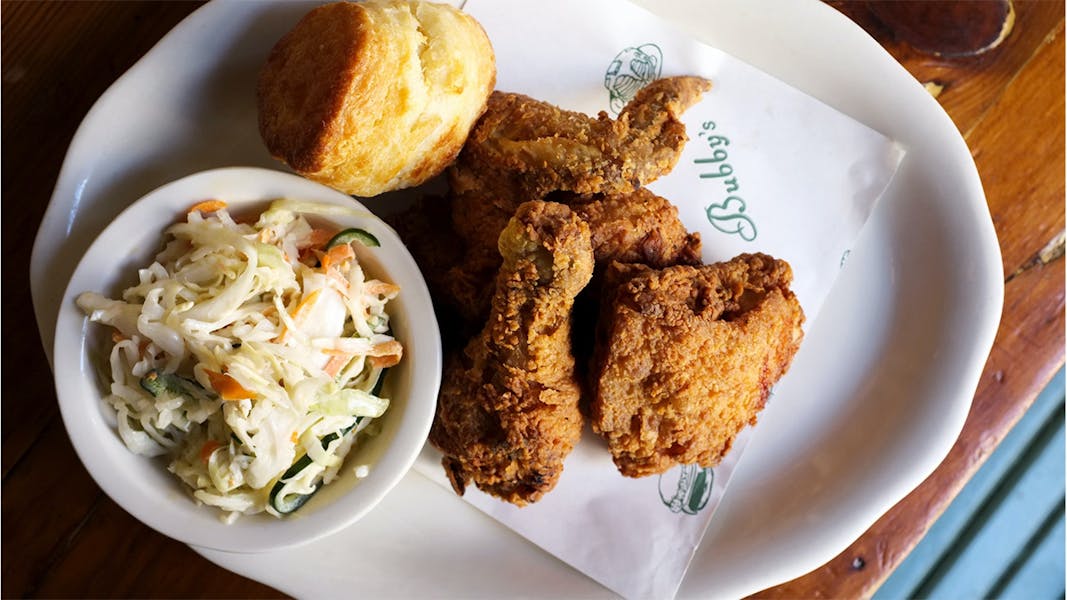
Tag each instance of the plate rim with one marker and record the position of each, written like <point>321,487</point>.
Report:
<point>993,300</point>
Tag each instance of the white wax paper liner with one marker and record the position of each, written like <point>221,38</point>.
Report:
<point>766,169</point>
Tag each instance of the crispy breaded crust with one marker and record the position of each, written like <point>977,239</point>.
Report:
<point>687,356</point>
<point>525,149</point>
<point>638,227</point>
<point>507,414</point>
<point>552,149</point>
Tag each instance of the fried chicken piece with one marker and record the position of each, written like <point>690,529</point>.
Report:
<point>633,227</point>
<point>637,227</point>
<point>524,149</point>
<point>551,149</point>
<point>507,414</point>
<point>426,230</point>
<point>687,356</point>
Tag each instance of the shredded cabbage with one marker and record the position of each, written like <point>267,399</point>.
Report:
<point>298,335</point>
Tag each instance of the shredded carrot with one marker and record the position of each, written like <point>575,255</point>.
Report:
<point>337,255</point>
<point>336,363</point>
<point>384,362</point>
<point>320,237</point>
<point>305,303</point>
<point>301,308</point>
<point>208,449</point>
<point>386,354</point>
<point>381,288</point>
<point>386,348</point>
<point>264,235</point>
<point>207,206</point>
<point>227,386</point>
<point>116,336</point>
<point>294,438</point>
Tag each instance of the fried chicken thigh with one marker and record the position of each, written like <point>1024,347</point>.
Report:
<point>686,357</point>
<point>507,413</point>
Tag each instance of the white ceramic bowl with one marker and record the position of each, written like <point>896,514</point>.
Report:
<point>143,486</point>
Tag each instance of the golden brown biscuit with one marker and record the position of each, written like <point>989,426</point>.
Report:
<point>375,96</point>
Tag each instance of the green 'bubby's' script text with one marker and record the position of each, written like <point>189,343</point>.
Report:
<point>726,216</point>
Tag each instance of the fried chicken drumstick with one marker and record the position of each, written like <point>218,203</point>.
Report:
<point>635,227</point>
<point>686,357</point>
<point>507,413</point>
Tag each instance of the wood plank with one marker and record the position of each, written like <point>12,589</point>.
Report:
<point>50,472</point>
<point>54,68</point>
<point>965,509</point>
<point>1041,575</point>
<point>1004,530</point>
<point>970,86</point>
<point>115,555</point>
<point>1029,347</point>
<point>86,546</point>
<point>1022,194</point>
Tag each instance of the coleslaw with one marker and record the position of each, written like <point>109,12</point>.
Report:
<point>250,354</point>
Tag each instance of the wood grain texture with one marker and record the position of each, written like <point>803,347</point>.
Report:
<point>1019,150</point>
<point>49,473</point>
<point>138,563</point>
<point>947,28</point>
<point>969,85</point>
<point>1012,484</point>
<point>63,537</point>
<point>58,58</point>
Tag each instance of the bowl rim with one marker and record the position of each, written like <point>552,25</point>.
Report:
<point>201,525</point>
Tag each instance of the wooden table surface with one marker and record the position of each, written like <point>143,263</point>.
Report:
<point>63,537</point>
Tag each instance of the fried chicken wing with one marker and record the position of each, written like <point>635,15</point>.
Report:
<point>551,149</point>
<point>686,357</point>
<point>639,227</point>
<point>508,413</point>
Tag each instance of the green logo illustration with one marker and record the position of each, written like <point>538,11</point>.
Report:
<point>631,70</point>
<point>728,218</point>
<point>686,489</point>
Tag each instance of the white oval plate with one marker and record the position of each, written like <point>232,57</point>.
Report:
<point>892,363</point>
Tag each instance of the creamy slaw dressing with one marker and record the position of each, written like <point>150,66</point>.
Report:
<point>279,342</point>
